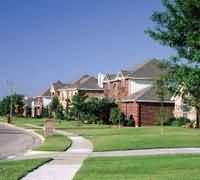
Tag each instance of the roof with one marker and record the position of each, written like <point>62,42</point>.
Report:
<point>147,95</point>
<point>110,76</point>
<point>149,69</point>
<point>85,82</point>
<point>46,93</point>
<point>58,84</point>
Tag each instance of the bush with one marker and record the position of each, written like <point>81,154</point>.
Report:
<point>163,116</point>
<point>59,112</point>
<point>45,112</point>
<point>115,115</point>
<point>89,119</point>
<point>180,121</point>
<point>131,121</point>
<point>167,122</point>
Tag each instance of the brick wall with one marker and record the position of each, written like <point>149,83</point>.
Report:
<point>144,113</point>
<point>116,89</point>
<point>148,112</point>
<point>129,109</point>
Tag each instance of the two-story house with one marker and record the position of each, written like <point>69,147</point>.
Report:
<point>133,91</point>
<point>45,98</point>
<point>86,85</point>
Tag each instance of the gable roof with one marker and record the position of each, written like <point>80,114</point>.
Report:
<point>58,84</point>
<point>149,69</point>
<point>110,76</point>
<point>46,93</point>
<point>146,95</point>
<point>85,82</point>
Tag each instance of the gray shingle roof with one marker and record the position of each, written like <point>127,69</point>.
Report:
<point>46,93</point>
<point>85,82</point>
<point>110,76</point>
<point>149,69</point>
<point>58,84</point>
<point>146,95</point>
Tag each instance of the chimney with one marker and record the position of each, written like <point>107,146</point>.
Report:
<point>101,77</point>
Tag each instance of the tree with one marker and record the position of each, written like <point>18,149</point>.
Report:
<point>56,108</point>
<point>77,104</point>
<point>105,106</point>
<point>115,116</point>
<point>54,104</point>
<point>178,27</point>
<point>17,105</point>
<point>161,90</point>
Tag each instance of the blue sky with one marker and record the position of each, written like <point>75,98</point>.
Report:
<point>42,41</point>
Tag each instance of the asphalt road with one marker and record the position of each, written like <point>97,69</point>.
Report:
<point>14,142</point>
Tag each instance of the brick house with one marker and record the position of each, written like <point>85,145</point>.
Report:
<point>86,85</point>
<point>132,90</point>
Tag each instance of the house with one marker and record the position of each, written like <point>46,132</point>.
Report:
<point>133,90</point>
<point>86,85</point>
<point>45,98</point>
<point>27,106</point>
<point>183,110</point>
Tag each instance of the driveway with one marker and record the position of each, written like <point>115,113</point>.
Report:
<point>14,142</point>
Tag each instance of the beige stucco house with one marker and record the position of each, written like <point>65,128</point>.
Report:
<point>183,110</point>
<point>87,85</point>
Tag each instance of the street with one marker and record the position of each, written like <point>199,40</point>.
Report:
<point>14,142</point>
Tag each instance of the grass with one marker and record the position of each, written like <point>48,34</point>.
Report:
<point>56,142</point>
<point>13,170</point>
<point>177,167</point>
<point>24,122</point>
<point>140,138</point>
<point>59,124</point>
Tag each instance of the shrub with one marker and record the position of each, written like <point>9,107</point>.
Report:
<point>115,115</point>
<point>163,117</point>
<point>45,112</point>
<point>131,121</point>
<point>180,121</point>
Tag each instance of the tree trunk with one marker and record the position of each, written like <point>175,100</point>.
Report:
<point>197,120</point>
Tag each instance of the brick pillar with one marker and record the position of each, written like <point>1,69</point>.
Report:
<point>137,115</point>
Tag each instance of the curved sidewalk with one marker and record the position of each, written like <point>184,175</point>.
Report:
<point>65,165</point>
<point>147,152</point>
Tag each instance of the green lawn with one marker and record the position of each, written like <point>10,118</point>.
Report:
<point>54,142</point>
<point>13,170</point>
<point>140,138</point>
<point>24,122</point>
<point>63,124</point>
<point>179,167</point>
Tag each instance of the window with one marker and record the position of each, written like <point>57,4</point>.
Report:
<point>185,109</point>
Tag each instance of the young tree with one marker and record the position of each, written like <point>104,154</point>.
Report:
<point>178,27</point>
<point>77,104</point>
<point>56,108</point>
<point>115,116</point>
<point>161,90</point>
<point>54,104</point>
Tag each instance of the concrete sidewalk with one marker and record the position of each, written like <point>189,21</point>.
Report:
<point>66,164</point>
<point>147,152</point>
